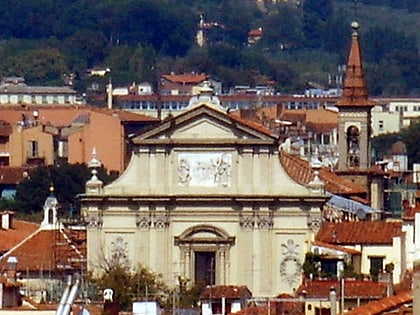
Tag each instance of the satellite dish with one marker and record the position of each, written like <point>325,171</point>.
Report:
<point>361,214</point>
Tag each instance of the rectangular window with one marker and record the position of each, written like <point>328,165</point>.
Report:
<point>381,125</point>
<point>62,149</point>
<point>33,149</point>
<point>376,266</point>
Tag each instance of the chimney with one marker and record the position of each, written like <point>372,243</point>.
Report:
<point>6,220</point>
<point>109,94</point>
<point>11,271</point>
<point>333,301</point>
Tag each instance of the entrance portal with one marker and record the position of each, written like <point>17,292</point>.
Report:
<point>205,268</point>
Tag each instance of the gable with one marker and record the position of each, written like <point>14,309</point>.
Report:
<point>204,123</point>
<point>204,128</point>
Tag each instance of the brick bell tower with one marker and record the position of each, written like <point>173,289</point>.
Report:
<point>354,117</point>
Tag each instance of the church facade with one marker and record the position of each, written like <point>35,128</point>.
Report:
<point>205,198</point>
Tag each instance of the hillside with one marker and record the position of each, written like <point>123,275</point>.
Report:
<point>54,42</point>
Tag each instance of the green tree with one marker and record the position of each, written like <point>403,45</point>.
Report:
<point>282,28</point>
<point>316,18</point>
<point>38,65</point>
<point>68,181</point>
<point>129,285</point>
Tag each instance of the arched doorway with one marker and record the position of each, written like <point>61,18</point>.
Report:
<point>204,253</point>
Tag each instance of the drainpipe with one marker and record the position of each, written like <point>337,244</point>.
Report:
<point>71,297</point>
<point>333,301</point>
<point>64,297</point>
<point>416,287</point>
<point>223,305</point>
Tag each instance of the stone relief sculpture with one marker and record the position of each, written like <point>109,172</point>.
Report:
<point>205,169</point>
<point>184,176</point>
<point>119,252</point>
<point>290,267</point>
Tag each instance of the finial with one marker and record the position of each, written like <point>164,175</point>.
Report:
<point>94,162</point>
<point>355,25</point>
<point>52,188</point>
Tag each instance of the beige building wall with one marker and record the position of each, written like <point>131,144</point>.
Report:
<point>22,145</point>
<point>384,122</point>
<point>205,195</point>
<point>104,133</point>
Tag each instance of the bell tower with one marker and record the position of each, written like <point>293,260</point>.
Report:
<point>354,116</point>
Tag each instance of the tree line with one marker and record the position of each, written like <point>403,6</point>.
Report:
<point>47,41</point>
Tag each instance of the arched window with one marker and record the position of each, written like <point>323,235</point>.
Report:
<point>353,147</point>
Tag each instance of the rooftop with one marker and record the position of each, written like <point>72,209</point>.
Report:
<point>354,232</point>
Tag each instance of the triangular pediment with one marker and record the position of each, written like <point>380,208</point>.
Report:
<point>204,123</point>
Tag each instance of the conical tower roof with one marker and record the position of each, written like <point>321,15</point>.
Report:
<point>355,91</point>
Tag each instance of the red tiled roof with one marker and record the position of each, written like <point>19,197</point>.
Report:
<point>49,250</point>
<point>61,116</point>
<point>185,78</point>
<point>255,32</point>
<point>383,305</point>
<point>227,291</point>
<point>12,175</point>
<point>359,232</point>
<point>18,232</point>
<point>301,172</point>
<point>355,90</point>
<point>251,124</point>
<point>364,289</point>
<point>5,128</point>
<point>351,251</point>
<point>253,310</point>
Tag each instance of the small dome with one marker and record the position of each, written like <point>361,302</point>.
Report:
<point>399,148</point>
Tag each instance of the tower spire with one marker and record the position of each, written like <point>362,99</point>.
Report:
<point>355,91</point>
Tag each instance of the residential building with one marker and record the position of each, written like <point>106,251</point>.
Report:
<point>407,107</point>
<point>385,121</point>
<point>42,135</point>
<point>46,255</point>
<point>14,91</point>
<point>382,246</point>
<point>205,197</point>
<point>224,299</point>
<point>350,293</point>
<point>175,104</point>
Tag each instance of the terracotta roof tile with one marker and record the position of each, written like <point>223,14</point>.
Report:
<point>227,291</point>
<point>355,90</point>
<point>61,116</point>
<point>301,172</point>
<point>12,175</point>
<point>253,310</point>
<point>188,78</point>
<point>18,232</point>
<point>252,125</point>
<point>365,289</point>
<point>351,251</point>
<point>359,232</point>
<point>49,250</point>
<point>384,305</point>
<point>255,32</point>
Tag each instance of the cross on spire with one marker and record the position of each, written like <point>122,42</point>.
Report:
<point>355,9</point>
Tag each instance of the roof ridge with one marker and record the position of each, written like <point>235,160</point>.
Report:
<point>70,243</point>
<point>10,251</point>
